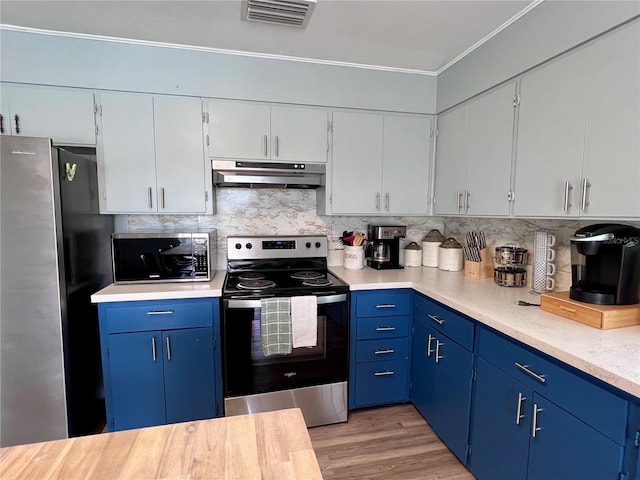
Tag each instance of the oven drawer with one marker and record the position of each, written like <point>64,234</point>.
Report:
<point>379,383</point>
<point>382,350</point>
<point>383,303</point>
<point>157,315</point>
<point>382,327</point>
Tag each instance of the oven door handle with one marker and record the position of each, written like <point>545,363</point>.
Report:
<point>232,303</point>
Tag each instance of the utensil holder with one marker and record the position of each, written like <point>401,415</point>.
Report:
<point>481,269</point>
<point>353,257</point>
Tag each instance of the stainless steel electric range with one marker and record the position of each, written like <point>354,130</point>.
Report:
<point>264,271</point>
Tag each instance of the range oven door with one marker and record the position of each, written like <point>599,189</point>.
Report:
<point>247,371</point>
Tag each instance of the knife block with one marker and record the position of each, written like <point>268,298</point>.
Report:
<point>482,269</point>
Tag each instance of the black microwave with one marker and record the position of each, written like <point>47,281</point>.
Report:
<point>161,257</point>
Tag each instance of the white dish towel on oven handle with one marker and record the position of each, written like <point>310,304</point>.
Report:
<point>304,321</point>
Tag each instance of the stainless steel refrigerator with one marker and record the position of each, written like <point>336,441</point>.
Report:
<point>54,252</point>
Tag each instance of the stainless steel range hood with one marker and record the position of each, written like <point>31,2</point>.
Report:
<point>256,174</point>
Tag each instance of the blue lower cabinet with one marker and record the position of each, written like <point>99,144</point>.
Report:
<point>154,376</point>
<point>379,383</point>
<point>441,385</point>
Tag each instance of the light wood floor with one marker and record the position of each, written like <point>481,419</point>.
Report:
<point>390,443</point>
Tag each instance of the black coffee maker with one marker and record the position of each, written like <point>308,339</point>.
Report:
<point>383,247</point>
<point>605,264</point>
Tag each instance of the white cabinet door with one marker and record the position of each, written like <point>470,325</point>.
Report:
<point>451,162</point>
<point>298,134</point>
<point>612,140</point>
<point>550,144</point>
<point>180,158</point>
<point>126,154</point>
<point>405,170</point>
<point>64,114</point>
<point>489,149</point>
<point>238,130</point>
<point>357,163</point>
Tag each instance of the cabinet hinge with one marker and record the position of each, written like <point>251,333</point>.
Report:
<point>329,126</point>
<point>215,343</point>
<point>112,424</point>
<point>474,375</point>
<point>468,450</point>
<point>106,351</point>
<point>206,196</point>
<point>636,439</point>
<point>623,476</point>
<point>207,140</point>
<point>104,194</point>
<point>97,131</point>
<point>437,132</point>
<point>516,100</point>
<point>331,199</point>
<point>431,132</point>
<point>205,117</point>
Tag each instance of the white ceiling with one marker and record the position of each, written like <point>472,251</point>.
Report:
<point>417,35</point>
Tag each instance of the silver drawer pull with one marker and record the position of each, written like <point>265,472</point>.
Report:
<point>386,305</point>
<point>385,329</point>
<point>537,376</point>
<point>436,319</point>
<point>383,352</point>
<point>168,348</point>
<point>382,374</point>
<point>161,312</point>
<point>519,414</point>
<point>429,349</point>
<point>153,348</point>
<point>438,356</point>
<point>534,421</point>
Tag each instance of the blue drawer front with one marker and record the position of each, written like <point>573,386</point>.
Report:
<point>383,303</point>
<point>599,408</point>
<point>378,383</point>
<point>157,315</point>
<point>382,327</point>
<point>449,322</point>
<point>382,350</point>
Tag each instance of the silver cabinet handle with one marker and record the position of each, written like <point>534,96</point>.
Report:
<point>436,319</point>
<point>386,201</point>
<point>168,348</point>
<point>519,415</point>
<point>382,374</point>
<point>437,352</point>
<point>162,197</point>
<point>150,193</point>
<point>277,145</point>
<point>537,376</point>
<point>386,305</point>
<point>429,350</point>
<point>583,197</point>
<point>266,145</point>
<point>153,348</point>
<point>567,188</point>
<point>466,201</point>
<point>160,312</point>
<point>384,352</point>
<point>534,422</point>
<point>378,201</point>
<point>385,329</point>
<point>459,196</point>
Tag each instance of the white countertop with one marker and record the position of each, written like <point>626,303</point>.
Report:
<point>611,355</point>
<point>160,291</point>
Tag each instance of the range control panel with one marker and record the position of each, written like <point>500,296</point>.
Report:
<point>255,247</point>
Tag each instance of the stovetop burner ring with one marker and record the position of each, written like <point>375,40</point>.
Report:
<point>256,284</point>
<point>306,275</point>
<point>317,282</point>
<point>251,276</point>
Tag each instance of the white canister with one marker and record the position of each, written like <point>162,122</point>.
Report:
<point>430,248</point>
<point>353,257</point>
<point>450,258</point>
<point>412,255</point>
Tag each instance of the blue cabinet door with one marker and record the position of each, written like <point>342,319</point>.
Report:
<point>189,374</point>
<point>499,436</point>
<point>565,447</point>
<point>422,366</point>
<point>137,383</point>
<point>451,393</point>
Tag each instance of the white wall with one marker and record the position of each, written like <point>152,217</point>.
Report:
<point>27,57</point>
<point>550,29</point>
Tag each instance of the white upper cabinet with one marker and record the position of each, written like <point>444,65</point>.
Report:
<point>611,168</point>
<point>474,156</point>
<point>151,154</point>
<point>380,164</point>
<point>64,114</point>
<point>267,132</point>
<point>578,148</point>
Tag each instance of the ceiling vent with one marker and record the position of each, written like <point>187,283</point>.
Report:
<point>294,13</point>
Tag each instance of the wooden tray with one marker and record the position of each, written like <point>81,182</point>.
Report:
<point>599,316</point>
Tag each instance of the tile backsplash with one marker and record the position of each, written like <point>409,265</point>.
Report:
<point>293,212</point>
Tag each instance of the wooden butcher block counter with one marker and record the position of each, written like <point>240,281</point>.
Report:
<point>272,445</point>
